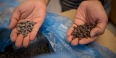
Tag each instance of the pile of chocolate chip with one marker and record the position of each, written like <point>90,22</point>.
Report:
<point>29,53</point>
<point>25,27</point>
<point>82,31</point>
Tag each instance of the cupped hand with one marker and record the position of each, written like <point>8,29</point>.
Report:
<point>89,12</point>
<point>31,10</point>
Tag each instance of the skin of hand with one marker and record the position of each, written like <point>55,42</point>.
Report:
<point>89,12</point>
<point>31,10</point>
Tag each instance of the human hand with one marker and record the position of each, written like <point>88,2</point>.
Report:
<point>31,10</point>
<point>89,12</point>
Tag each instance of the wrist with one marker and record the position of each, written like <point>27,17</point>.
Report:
<point>91,0</point>
<point>102,1</point>
<point>43,1</point>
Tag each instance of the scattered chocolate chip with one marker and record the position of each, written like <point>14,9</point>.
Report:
<point>29,53</point>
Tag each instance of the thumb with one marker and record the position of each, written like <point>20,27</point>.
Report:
<point>14,19</point>
<point>98,30</point>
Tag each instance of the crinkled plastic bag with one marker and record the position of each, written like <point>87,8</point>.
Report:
<point>106,53</point>
<point>6,8</point>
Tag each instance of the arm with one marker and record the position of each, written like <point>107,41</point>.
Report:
<point>28,10</point>
<point>44,1</point>
<point>102,1</point>
<point>91,12</point>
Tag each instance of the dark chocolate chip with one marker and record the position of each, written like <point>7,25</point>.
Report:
<point>82,31</point>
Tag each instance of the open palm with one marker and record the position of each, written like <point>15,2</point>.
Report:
<point>89,12</point>
<point>27,11</point>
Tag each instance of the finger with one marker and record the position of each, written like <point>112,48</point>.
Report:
<point>19,41</point>
<point>35,30</point>
<point>87,40</point>
<point>26,41</point>
<point>69,39</point>
<point>70,30</point>
<point>95,32</point>
<point>14,18</point>
<point>13,35</point>
<point>75,42</point>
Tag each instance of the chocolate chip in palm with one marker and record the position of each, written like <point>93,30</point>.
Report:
<point>82,31</point>
<point>25,27</point>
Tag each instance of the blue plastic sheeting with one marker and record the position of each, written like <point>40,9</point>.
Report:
<point>102,50</point>
<point>6,8</point>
